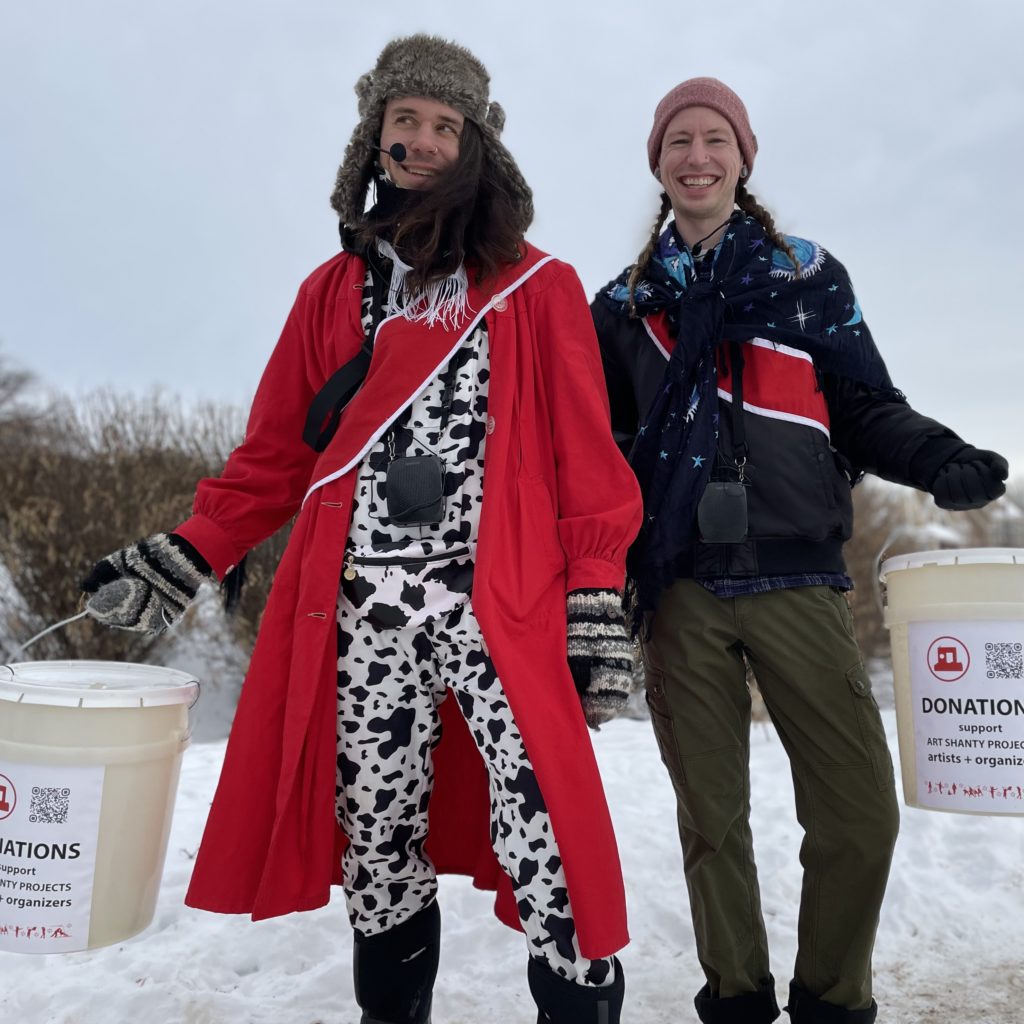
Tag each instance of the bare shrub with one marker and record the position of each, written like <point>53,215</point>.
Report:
<point>879,510</point>
<point>88,478</point>
<point>15,385</point>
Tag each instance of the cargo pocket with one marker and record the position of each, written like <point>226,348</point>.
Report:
<point>709,784</point>
<point>646,649</point>
<point>870,721</point>
<point>661,719</point>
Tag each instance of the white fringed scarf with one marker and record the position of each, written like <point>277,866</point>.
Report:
<point>445,301</point>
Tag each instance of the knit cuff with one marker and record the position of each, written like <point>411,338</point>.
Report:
<point>600,653</point>
<point>592,603</point>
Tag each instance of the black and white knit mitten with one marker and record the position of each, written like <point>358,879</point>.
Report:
<point>147,586</point>
<point>600,653</point>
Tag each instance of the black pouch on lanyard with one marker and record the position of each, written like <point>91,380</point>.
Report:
<point>414,486</point>
<point>414,489</point>
<point>722,512</point>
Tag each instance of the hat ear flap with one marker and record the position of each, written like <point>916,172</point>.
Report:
<point>354,174</point>
<point>362,89</point>
<point>495,117</point>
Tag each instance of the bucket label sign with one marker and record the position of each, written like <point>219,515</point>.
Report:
<point>967,690</point>
<point>49,825</point>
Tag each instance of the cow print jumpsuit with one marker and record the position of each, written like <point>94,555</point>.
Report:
<point>407,634</point>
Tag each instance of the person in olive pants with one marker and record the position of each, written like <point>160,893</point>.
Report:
<point>750,395</point>
<point>801,647</point>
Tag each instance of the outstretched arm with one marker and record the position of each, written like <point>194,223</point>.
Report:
<point>880,433</point>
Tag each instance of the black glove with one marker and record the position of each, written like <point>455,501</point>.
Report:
<point>147,586</point>
<point>970,479</point>
<point>600,653</point>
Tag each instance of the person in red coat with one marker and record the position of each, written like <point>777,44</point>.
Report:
<point>434,420</point>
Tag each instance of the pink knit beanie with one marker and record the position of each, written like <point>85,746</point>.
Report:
<point>703,92</point>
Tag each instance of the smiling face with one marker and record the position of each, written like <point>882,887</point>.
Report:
<point>430,132</point>
<point>699,168</point>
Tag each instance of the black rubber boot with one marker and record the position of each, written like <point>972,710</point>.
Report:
<point>759,1007</point>
<point>395,971</point>
<point>807,1009</point>
<point>561,1001</point>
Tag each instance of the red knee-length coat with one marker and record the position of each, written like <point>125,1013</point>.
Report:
<point>560,507</point>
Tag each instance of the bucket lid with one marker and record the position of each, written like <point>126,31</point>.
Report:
<point>96,684</point>
<point>952,556</point>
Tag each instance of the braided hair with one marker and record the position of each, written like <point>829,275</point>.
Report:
<point>638,268</point>
<point>745,200</point>
<point>748,203</point>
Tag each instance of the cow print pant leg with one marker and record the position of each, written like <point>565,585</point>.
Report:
<point>390,684</point>
<point>521,831</point>
<point>388,726</point>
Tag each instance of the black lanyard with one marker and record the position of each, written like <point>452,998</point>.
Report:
<point>739,433</point>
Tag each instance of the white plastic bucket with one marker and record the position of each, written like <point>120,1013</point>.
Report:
<point>90,753</point>
<point>956,622</point>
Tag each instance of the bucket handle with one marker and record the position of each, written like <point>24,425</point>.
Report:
<point>903,530</point>
<point>876,584</point>
<point>18,651</point>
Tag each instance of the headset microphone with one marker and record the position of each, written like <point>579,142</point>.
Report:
<point>397,152</point>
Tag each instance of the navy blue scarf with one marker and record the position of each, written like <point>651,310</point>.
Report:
<point>752,291</point>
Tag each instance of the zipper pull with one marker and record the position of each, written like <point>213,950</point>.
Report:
<point>350,570</point>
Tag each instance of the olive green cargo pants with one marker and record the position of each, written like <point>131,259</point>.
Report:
<point>800,644</point>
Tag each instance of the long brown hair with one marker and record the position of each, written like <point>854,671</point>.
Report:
<point>467,216</point>
<point>745,200</point>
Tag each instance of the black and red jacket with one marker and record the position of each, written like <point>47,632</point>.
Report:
<point>809,437</point>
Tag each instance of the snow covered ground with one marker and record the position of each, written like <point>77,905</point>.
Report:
<point>949,947</point>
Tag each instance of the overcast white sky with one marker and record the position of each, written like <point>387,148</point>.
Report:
<point>165,168</point>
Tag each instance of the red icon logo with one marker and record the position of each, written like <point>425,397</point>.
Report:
<point>948,659</point>
<point>8,797</point>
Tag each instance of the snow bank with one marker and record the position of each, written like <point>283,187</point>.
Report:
<point>948,947</point>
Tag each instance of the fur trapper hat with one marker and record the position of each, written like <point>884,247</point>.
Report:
<point>423,65</point>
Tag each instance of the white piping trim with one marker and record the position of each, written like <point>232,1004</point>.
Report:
<point>661,348</point>
<point>775,414</point>
<point>377,434</point>
<point>777,346</point>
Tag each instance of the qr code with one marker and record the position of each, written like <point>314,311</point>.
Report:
<point>1004,661</point>
<point>49,805</point>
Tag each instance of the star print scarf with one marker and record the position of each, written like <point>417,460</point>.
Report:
<point>752,290</point>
